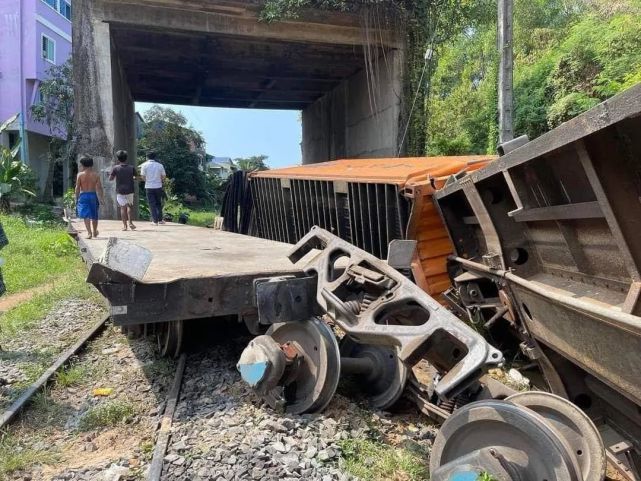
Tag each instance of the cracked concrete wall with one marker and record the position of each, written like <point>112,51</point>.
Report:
<point>359,118</point>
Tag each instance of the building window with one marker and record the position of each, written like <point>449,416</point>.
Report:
<point>65,9</point>
<point>48,49</point>
<point>41,97</point>
<point>13,140</point>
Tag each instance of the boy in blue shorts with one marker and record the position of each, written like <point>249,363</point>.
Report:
<point>88,188</point>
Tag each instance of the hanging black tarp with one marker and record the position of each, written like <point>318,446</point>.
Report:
<point>237,204</point>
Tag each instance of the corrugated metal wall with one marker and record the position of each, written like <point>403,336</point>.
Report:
<point>368,215</point>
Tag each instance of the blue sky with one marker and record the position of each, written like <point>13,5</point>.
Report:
<point>246,132</point>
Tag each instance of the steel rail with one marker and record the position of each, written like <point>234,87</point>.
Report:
<point>162,441</point>
<point>24,398</point>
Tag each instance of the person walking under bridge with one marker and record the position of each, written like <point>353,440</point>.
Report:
<point>124,174</point>
<point>153,173</point>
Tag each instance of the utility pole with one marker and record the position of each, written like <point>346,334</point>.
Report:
<point>506,126</point>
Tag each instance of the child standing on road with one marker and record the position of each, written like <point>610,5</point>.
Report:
<point>88,188</point>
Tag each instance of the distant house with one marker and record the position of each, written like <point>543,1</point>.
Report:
<point>34,36</point>
<point>223,167</point>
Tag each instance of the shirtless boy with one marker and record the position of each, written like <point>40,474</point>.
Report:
<point>88,188</point>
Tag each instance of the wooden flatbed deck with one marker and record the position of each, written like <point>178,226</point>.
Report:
<point>194,273</point>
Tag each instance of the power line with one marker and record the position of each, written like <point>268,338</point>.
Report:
<point>429,53</point>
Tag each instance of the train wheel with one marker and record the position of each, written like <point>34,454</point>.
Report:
<point>314,380</point>
<point>169,336</point>
<point>506,440</point>
<point>574,425</point>
<point>385,383</point>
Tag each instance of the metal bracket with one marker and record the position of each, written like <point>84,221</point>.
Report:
<point>285,299</point>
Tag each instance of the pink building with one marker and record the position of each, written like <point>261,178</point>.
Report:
<point>34,35</point>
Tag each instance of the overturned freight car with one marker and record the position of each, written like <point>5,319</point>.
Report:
<point>548,248</point>
<point>367,202</point>
<point>541,248</point>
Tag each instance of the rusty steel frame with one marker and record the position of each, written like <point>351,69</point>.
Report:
<point>554,226</point>
<point>375,304</point>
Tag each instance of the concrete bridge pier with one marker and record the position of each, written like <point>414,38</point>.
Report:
<point>105,107</point>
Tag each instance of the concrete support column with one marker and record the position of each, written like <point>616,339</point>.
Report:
<point>124,120</point>
<point>65,177</point>
<point>104,107</point>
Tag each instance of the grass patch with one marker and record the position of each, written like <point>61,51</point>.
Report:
<point>367,459</point>
<point>72,375</point>
<point>36,254</point>
<point>27,314</point>
<point>202,217</point>
<point>15,456</point>
<point>485,476</point>
<point>198,216</point>
<point>108,414</point>
<point>147,449</point>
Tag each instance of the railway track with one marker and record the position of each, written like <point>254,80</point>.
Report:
<point>214,424</point>
<point>23,400</point>
<point>91,414</point>
<point>164,432</point>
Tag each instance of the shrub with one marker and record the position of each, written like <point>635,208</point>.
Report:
<point>14,176</point>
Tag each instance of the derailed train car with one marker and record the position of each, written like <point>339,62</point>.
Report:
<point>367,202</point>
<point>548,251</point>
<point>545,261</point>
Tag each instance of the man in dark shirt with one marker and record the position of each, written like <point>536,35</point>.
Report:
<point>125,175</point>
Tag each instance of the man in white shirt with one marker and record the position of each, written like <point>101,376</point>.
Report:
<point>153,173</point>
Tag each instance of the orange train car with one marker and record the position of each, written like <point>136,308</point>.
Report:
<point>368,202</point>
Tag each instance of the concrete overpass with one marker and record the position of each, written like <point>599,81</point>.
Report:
<point>217,53</point>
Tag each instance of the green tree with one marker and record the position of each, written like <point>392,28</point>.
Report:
<point>179,147</point>
<point>56,109</point>
<point>569,56</point>
<point>250,164</point>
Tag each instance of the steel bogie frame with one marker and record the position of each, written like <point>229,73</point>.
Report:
<point>375,304</point>
<point>547,247</point>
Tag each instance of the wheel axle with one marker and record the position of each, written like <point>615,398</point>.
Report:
<point>299,361</point>
<point>531,435</point>
<point>295,368</point>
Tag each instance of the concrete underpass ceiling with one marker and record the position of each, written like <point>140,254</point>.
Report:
<point>214,70</point>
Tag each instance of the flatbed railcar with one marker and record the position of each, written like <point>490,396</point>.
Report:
<point>194,273</point>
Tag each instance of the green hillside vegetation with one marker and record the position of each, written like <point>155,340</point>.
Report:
<point>569,56</point>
